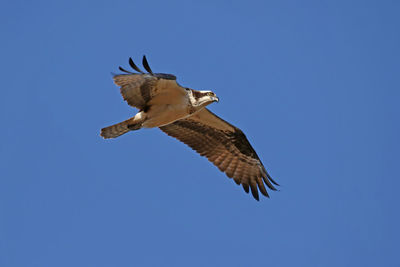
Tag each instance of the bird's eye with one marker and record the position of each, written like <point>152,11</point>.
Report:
<point>210,94</point>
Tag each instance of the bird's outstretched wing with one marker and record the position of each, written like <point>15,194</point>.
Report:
<point>225,146</point>
<point>141,90</point>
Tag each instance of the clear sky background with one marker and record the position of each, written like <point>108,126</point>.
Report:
<point>313,84</point>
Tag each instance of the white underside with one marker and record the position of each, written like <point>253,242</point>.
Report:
<point>161,115</point>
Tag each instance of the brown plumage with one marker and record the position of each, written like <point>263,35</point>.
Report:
<point>225,146</point>
<point>139,89</point>
<point>181,113</point>
<point>118,129</point>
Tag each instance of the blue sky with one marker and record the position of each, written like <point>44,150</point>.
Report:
<point>313,84</point>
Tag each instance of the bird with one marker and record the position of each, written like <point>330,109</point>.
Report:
<point>181,112</point>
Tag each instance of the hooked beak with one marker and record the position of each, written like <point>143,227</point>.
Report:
<point>216,99</point>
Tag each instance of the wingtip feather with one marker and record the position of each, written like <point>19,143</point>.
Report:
<point>124,70</point>
<point>133,65</point>
<point>146,65</point>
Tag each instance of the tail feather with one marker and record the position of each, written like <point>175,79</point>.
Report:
<point>117,129</point>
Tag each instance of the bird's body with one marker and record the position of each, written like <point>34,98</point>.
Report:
<point>181,113</point>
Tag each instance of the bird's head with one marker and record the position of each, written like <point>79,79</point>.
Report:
<point>202,98</point>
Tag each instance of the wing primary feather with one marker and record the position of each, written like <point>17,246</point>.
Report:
<point>272,180</point>
<point>267,179</point>
<point>124,70</point>
<point>146,65</point>
<point>270,186</point>
<point>133,65</point>
<point>245,187</point>
<point>261,186</point>
<point>254,190</point>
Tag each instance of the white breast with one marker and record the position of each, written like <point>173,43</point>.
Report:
<point>165,111</point>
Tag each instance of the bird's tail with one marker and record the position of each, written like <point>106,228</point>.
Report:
<point>119,128</point>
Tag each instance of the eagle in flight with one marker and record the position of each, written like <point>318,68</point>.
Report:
<point>181,112</point>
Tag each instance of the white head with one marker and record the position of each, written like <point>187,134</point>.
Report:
<point>201,99</point>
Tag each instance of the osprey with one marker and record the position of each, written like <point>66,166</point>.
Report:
<point>181,112</point>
